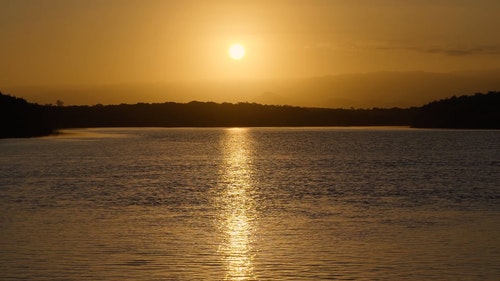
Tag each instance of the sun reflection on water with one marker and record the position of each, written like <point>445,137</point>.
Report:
<point>237,206</point>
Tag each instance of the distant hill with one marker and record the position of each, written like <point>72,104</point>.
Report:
<point>394,89</point>
<point>360,90</point>
<point>480,111</point>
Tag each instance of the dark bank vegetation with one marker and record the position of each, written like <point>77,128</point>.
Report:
<point>209,114</point>
<point>23,119</point>
<point>480,111</point>
<point>20,119</point>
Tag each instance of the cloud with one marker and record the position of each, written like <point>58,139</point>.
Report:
<point>320,46</point>
<point>479,50</point>
<point>432,49</point>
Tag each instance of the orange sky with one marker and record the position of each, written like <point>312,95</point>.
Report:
<point>89,42</point>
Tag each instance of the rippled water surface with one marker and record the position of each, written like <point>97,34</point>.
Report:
<point>251,204</point>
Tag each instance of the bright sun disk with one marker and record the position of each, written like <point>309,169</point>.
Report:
<point>237,51</point>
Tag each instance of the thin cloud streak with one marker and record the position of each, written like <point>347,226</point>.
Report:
<point>433,49</point>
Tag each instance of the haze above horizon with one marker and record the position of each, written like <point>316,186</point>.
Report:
<point>58,43</point>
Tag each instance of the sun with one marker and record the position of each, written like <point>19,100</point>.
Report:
<point>237,51</point>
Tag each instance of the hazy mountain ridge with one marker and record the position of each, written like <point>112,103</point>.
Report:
<point>361,90</point>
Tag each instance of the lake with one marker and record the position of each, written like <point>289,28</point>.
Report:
<point>251,204</point>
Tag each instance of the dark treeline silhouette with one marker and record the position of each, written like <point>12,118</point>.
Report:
<point>23,119</point>
<point>19,119</point>
<point>480,111</point>
<point>209,114</point>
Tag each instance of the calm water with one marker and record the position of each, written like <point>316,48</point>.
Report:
<point>251,204</point>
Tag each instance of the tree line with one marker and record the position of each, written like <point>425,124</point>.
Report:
<point>480,111</point>
<point>23,119</point>
<point>19,119</point>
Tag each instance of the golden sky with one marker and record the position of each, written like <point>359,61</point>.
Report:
<point>64,42</point>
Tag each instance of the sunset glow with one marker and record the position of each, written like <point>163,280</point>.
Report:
<point>244,140</point>
<point>129,51</point>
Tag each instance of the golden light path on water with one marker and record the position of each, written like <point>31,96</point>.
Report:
<point>237,206</point>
